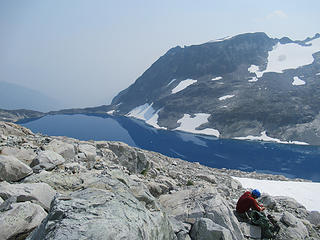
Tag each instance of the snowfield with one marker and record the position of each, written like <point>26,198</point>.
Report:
<point>253,79</point>
<point>146,113</point>
<point>225,97</point>
<point>264,137</point>
<point>298,82</point>
<point>182,85</point>
<point>288,56</point>
<point>216,79</point>
<point>111,112</point>
<point>221,39</point>
<point>171,81</point>
<point>189,124</point>
<point>306,193</point>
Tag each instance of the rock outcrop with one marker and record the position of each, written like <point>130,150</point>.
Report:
<point>12,170</point>
<point>109,190</point>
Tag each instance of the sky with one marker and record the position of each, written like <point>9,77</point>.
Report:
<point>84,52</point>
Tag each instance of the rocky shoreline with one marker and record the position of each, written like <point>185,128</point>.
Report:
<point>64,188</point>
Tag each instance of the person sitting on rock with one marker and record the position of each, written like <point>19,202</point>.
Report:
<point>249,208</point>
<point>248,201</point>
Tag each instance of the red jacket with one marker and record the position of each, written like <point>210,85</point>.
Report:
<point>246,201</point>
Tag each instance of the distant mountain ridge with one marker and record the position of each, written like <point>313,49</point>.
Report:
<point>13,97</point>
<point>246,86</point>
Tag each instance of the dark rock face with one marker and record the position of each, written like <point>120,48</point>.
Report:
<point>271,102</point>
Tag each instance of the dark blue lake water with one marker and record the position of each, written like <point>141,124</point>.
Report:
<point>289,160</point>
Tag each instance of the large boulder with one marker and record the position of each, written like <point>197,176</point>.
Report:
<point>40,193</point>
<point>66,150</point>
<point>205,229</point>
<point>182,205</point>
<point>268,202</point>
<point>196,202</point>
<point>314,218</point>
<point>12,170</point>
<point>250,231</point>
<point>133,159</point>
<point>20,220</point>
<point>7,128</point>
<point>101,214</point>
<point>218,210</point>
<point>47,160</point>
<point>24,155</point>
<point>90,151</point>
<point>295,229</point>
<point>63,182</point>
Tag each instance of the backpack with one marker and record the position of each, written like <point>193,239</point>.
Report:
<point>269,228</point>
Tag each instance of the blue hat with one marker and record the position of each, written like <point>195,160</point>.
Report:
<point>256,193</point>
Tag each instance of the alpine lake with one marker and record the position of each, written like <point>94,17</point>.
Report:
<point>292,161</point>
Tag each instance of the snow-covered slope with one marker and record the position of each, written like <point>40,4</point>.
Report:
<point>306,193</point>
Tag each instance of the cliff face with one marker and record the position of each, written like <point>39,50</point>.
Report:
<point>245,85</point>
<point>108,190</point>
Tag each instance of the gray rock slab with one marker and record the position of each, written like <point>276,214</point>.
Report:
<point>12,170</point>
<point>90,151</point>
<point>295,229</point>
<point>21,219</point>
<point>314,218</point>
<point>250,230</point>
<point>47,160</point>
<point>24,155</point>
<point>60,181</point>
<point>182,205</point>
<point>183,235</point>
<point>133,159</point>
<point>7,128</point>
<point>196,202</point>
<point>218,210</point>
<point>205,229</point>
<point>39,193</point>
<point>100,214</point>
<point>66,150</point>
<point>207,178</point>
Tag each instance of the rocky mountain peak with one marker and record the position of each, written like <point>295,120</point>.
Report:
<point>246,85</point>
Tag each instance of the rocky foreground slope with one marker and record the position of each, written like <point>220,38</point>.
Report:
<point>63,188</point>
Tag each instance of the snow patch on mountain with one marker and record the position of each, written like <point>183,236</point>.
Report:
<point>146,113</point>
<point>264,137</point>
<point>253,79</point>
<point>111,112</point>
<point>318,74</point>
<point>189,124</point>
<point>182,85</point>
<point>288,56</point>
<point>255,69</point>
<point>225,97</point>
<point>216,78</point>
<point>306,193</point>
<point>171,81</point>
<point>221,39</point>
<point>297,81</point>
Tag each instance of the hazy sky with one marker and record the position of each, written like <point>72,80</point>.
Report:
<point>84,52</point>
